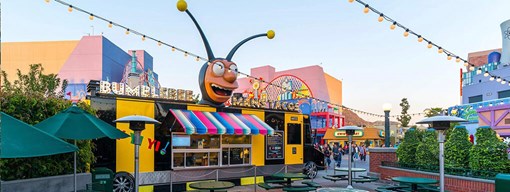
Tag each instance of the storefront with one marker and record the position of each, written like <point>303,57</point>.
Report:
<point>373,135</point>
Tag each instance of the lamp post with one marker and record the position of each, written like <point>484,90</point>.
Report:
<point>349,131</point>
<point>387,109</point>
<point>441,123</point>
<point>137,124</point>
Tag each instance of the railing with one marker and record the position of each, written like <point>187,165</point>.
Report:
<point>482,174</point>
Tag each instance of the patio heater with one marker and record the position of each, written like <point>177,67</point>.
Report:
<point>441,123</point>
<point>137,124</point>
<point>387,109</point>
<point>349,131</point>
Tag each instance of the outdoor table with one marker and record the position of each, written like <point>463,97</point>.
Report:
<point>336,189</point>
<point>414,181</point>
<point>212,185</point>
<point>353,170</point>
<point>290,176</point>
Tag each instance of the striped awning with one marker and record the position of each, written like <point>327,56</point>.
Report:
<point>201,122</point>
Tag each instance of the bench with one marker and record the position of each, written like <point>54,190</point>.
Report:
<point>368,177</point>
<point>277,181</point>
<point>268,187</point>
<point>361,180</point>
<point>312,184</point>
<point>341,175</point>
<point>334,179</point>
<point>299,189</point>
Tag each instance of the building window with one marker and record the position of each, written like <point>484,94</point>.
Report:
<point>504,94</point>
<point>236,150</point>
<point>475,99</point>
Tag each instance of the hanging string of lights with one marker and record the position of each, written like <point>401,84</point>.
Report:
<point>144,36</point>
<point>440,49</point>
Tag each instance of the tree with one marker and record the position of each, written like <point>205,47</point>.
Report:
<point>406,151</point>
<point>404,118</point>
<point>33,98</point>
<point>427,152</point>
<point>457,148</point>
<point>489,153</point>
<point>434,111</point>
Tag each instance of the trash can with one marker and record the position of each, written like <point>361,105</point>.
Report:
<point>102,179</point>
<point>502,182</point>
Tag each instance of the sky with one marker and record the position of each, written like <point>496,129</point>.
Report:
<point>376,65</point>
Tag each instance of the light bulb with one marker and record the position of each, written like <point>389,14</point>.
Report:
<point>503,82</point>
<point>498,79</point>
<point>198,58</point>
<point>486,74</point>
<point>449,57</point>
<point>47,1</point>
<point>429,45</point>
<point>350,1</point>
<point>406,33</point>
<point>392,26</point>
<point>466,64</point>
<point>173,48</point>
<point>185,54</point>
<point>127,31</point>
<point>70,9</point>
<point>420,39</point>
<point>491,78</point>
<point>440,50</point>
<point>110,25</point>
<point>457,60</point>
<point>143,38</point>
<point>91,17</point>
<point>471,68</point>
<point>366,9</point>
<point>479,71</point>
<point>159,43</point>
<point>380,19</point>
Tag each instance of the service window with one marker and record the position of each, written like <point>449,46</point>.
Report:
<point>293,134</point>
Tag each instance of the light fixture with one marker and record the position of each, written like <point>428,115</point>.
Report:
<point>91,17</point>
<point>47,1</point>
<point>393,25</point>
<point>110,25</point>
<point>406,33</point>
<point>486,74</point>
<point>440,50</point>
<point>479,71</point>
<point>503,82</point>
<point>159,43</point>
<point>471,68</point>
<point>498,79</point>
<point>457,60</point>
<point>429,45</point>
<point>491,78</point>
<point>127,31</point>
<point>70,9</point>
<point>173,48</point>
<point>143,38</point>
<point>466,64</point>
<point>366,9</point>
<point>197,59</point>
<point>420,39</point>
<point>381,18</point>
<point>185,54</point>
<point>350,1</point>
<point>449,57</point>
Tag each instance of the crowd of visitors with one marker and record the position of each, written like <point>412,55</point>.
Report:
<point>333,153</point>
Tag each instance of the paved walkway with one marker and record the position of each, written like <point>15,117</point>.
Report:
<point>327,183</point>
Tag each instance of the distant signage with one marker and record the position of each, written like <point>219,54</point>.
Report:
<point>381,133</point>
<point>116,88</point>
<point>342,133</point>
<point>262,103</point>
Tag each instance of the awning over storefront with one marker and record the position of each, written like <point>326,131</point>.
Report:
<point>201,122</point>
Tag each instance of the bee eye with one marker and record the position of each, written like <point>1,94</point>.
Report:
<point>218,69</point>
<point>233,68</point>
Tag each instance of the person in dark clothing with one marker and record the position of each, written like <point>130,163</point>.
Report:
<point>337,155</point>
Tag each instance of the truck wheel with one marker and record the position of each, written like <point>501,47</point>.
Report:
<point>310,169</point>
<point>123,182</point>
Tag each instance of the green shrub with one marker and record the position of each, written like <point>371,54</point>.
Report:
<point>457,148</point>
<point>406,151</point>
<point>489,153</point>
<point>33,98</point>
<point>427,152</point>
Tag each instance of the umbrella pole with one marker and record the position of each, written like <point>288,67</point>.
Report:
<point>75,167</point>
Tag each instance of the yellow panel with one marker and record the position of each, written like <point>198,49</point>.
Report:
<point>147,188</point>
<point>19,55</point>
<point>249,180</point>
<point>206,108</point>
<point>289,157</point>
<point>125,150</point>
<point>258,141</point>
<point>189,188</point>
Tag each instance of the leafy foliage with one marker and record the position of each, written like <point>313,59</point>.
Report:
<point>489,153</point>
<point>434,111</point>
<point>406,151</point>
<point>404,118</point>
<point>33,98</point>
<point>427,152</point>
<point>457,148</point>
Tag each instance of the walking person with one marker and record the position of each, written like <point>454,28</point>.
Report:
<point>327,156</point>
<point>363,153</point>
<point>337,154</point>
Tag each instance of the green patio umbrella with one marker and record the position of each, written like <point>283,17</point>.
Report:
<point>18,140</point>
<point>76,123</point>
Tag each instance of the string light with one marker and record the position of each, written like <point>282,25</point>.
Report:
<point>498,79</point>
<point>491,78</point>
<point>366,9</point>
<point>406,33</point>
<point>91,17</point>
<point>479,71</point>
<point>457,60</point>
<point>185,54</point>
<point>159,43</point>
<point>503,82</point>
<point>381,18</point>
<point>440,50</point>
<point>110,25</point>
<point>420,39</point>
<point>173,48</point>
<point>393,25</point>
<point>449,57</point>
<point>70,9</point>
<point>486,74</point>
<point>143,38</point>
<point>471,68</point>
<point>47,1</point>
<point>429,45</point>
<point>127,31</point>
<point>350,1</point>
<point>197,59</point>
<point>466,64</point>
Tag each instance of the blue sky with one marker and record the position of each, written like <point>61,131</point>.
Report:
<point>376,64</point>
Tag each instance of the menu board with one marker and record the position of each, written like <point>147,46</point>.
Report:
<point>274,146</point>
